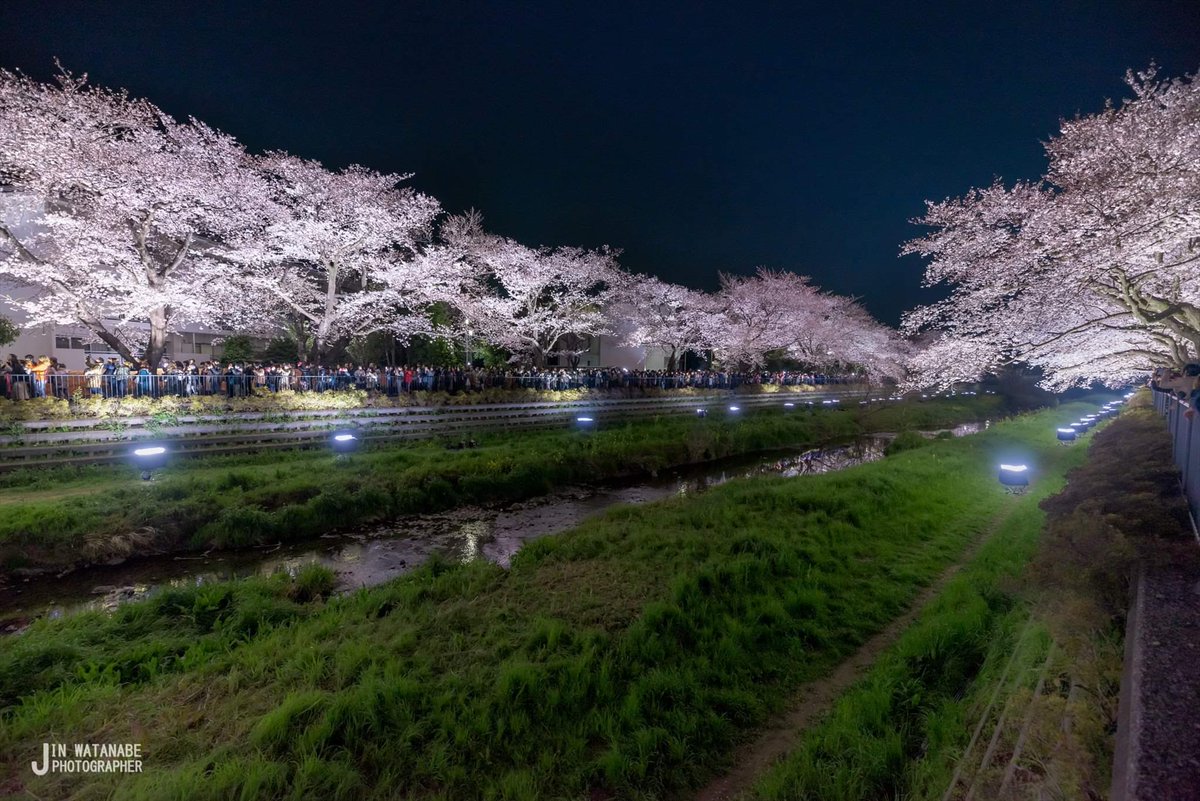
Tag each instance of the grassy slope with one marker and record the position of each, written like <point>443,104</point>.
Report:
<point>628,654</point>
<point>69,516</point>
<point>981,648</point>
<point>871,745</point>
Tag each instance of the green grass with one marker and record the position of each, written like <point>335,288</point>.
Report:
<point>629,654</point>
<point>1048,589</point>
<point>872,744</point>
<point>63,517</point>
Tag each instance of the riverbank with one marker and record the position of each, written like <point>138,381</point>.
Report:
<point>58,519</point>
<point>1007,686</point>
<point>368,556</point>
<point>623,658</point>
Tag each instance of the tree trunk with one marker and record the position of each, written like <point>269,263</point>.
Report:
<point>671,361</point>
<point>108,338</point>
<point>158,336</point>
<point>321,335</point>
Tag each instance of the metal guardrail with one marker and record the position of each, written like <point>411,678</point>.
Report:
<point>99,441</point>
<point>1185,441</point>
<point>132,384</point>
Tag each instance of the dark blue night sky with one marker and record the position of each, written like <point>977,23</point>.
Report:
<point>696,137</point>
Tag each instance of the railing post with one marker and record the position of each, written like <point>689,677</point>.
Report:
<point>1187,450</point>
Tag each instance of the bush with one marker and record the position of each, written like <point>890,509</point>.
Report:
<point>905,441</point>
<point>313,581</point>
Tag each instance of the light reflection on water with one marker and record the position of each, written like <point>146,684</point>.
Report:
<point>370,557</point>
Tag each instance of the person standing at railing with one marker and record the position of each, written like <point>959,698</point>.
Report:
<point>120,378</point>
<point>142,385</point>
<point>18,378</point>
<point>38,368</point>
<point>192,376</point>
<point>108,367</point>
<point>94,376</point>
<point>56,379</point>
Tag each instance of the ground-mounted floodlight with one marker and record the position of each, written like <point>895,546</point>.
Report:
<point>1014,477</point>
<point>585,422</point>
<point>735,409</point>
<point>344,442</point>
<point>1066,434</point>
<point>702,412</point>
<point>149,458</point>
<point>789,405</point>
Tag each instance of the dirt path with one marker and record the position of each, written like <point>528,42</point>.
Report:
<point>814,699</point>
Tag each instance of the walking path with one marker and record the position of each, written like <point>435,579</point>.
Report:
<point>815,698</point>
<point>1158,730</point>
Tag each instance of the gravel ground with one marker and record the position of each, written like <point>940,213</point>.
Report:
<point>1167,764</point>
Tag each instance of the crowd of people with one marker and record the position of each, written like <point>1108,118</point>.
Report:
<point>1183,384</point>
<point>116,378</point>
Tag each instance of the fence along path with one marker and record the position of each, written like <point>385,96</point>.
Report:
<point>50,443</point>
<point>1185,441</point>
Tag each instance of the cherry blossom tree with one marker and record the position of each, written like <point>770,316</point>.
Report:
<point>755,315</point>
<point>529,300</point>
<point>784,313</point>
<point>348,256</point>
<point>851,336</point>
<point>659,314</point>
<point>118,217</point>
<point>1091,273</point>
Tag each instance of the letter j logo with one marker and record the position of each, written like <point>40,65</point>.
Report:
<point>45,761</point>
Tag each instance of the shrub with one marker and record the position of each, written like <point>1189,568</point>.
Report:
<point>313,581</point>
<point>905,441</point>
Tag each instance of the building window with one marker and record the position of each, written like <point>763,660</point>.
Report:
<point>62,343</point>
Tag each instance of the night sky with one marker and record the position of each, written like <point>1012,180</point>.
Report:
<point>697,138</point>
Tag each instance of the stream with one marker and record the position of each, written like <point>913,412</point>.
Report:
<point>372,556</point>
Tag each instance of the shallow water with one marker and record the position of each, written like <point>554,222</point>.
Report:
<point>372,556</point>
